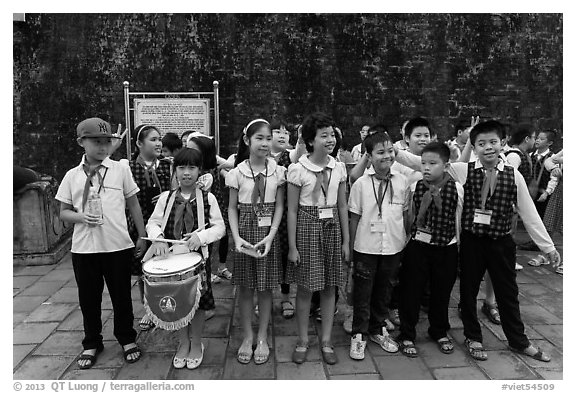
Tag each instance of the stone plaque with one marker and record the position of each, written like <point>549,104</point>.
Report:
<point>173,114</point>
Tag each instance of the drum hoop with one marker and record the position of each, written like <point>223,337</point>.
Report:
<point>177,276</point>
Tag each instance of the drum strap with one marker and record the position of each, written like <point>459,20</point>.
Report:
<point>201,218</point>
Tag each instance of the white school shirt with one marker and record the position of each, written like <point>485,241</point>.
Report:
<point>206,236</point>
<point>363,202</point>
<point>303,175</point>
<point>240,178</point>
<point>356,153</point>
<point>524,203</point>
<point>118,186</point>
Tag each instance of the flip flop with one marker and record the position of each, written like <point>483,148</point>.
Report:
<point>405,346</point>
<point>445,345</point>
<point>477,352</point>
<point>133,350</point>
<point>491,311</point>
<point>287,309</point>
<point>262,352</point>
<point>245,356</point>
<point>539,355</point>
<point>91,358</point>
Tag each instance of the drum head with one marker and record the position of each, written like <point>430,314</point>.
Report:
<point>171,265</point>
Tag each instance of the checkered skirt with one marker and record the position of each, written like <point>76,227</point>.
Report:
<point>319,243</point>
<point>256,273</point>
<point>553,220</point>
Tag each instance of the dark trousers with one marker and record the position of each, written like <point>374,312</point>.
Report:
<point>91,270</point>
<point>427,266</point>
<point>372,276</point>
<point>223,249</point>
<point>478,254</point>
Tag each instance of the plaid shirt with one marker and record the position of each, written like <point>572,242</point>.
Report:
<point>525,164</point>
<point>442,225</point>
<point>501,202</point>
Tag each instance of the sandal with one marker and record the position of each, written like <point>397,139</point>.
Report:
<point>560,270</point>
<point>244,355</point>
<point>287,309</point>
<point>408,349</point>
<point>134,350</point>
<point>146,323</point>
<point>328,353</point>
<point>193,363</point>
<point>299,354</point>
<point>539,355</point>
<point>91,358</point>
<point>491,311</point>
<point>225,273</point>
<point>262,352</point>
<point>475,349</point>
<point>445,345</point>
<point>539,261</point>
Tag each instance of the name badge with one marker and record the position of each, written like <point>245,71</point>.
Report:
<point>377,226</point>
<point>423,235</point>
<point>325,212</point>
<point>482,216</point>
<point>265,221</point>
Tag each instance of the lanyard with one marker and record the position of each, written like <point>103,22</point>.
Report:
<point>379,201</point>
<point>325,191</point>
<point>262,197</point>
<point>103,177</point>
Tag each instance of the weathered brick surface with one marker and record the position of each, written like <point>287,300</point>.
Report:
<point>359,68</point>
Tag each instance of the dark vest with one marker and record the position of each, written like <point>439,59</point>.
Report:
<point>169,229</point>
<point>442,225</point>
<point>525,164</point>
<point>537,166</point>
<point>501,202</point>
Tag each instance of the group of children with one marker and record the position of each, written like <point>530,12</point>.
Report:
<point>292,222</point>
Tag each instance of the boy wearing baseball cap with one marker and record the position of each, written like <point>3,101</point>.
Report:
<point>101,246</point>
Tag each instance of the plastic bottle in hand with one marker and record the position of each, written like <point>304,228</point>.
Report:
<point>94,204</point>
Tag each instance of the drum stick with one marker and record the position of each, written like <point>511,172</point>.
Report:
<point>172,240</point>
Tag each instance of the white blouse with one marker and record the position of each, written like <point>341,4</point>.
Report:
<point>240,178</point>
<point>303,175</point>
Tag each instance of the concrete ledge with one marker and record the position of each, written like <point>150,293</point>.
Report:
<point>47,258</point>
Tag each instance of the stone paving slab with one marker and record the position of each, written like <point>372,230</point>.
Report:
<point>65,295</point>
<point>459,373</point>
<point>32,333</point>
<point>43,367</point>
<point>51,312</point>
<point>552,333</point>
<point>33,270</point>
<point>235,370</point>
<point>152,366</point>
<point>506,365</point>
<point>402,367</point>
<point>347,365</point>
<point>91,374</point>
<point>201,373</point>
<point>22,282</point>
<point>43,288</point>
<point>27,304</point>
<point>74,320</point>
<point>308,371</point>
<point>61,343</point>
<point>58,275</point>
<point>19,352</point>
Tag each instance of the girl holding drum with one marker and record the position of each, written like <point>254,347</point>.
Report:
<point>255,209</point>
<point>186,207</point>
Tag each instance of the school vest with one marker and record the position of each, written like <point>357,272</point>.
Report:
<point>284,159</point>
<point>169,229</point>
<point>442,224</point>
<point>525,164</point>
<point>537,167</point>
<point>146,193</point>
<point>501,202</point>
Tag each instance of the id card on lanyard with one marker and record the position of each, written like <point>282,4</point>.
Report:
<point>379,225</point>
<point>264,215</point>
<point>423,235</point>
<point>325,211</point>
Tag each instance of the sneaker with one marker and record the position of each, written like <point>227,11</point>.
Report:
<point>518,267</point>
<point>224,273</point>
<point>385,341</point>
<point>215,279</point>
<point>395,316</point>
<point>319,315</point>
<point>560,270</point>
<point>357,347</point>
<point>540,260</point>
<point>347,325</point>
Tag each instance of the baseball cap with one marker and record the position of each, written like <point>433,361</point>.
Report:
<point>95,127</point>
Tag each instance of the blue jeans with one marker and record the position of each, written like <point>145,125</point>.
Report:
<point>373,275</point>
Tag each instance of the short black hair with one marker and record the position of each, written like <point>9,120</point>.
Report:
<point>187,156</point>
<point>460,126</point>
<point>486,127</point>
<point>550,135</point>
<point>373,139</point>
<point>171,141</point>
<point>311,124</point>
<point>439,148</point>
<point>377,128</point>
<point>413,123</point>
<point>522,132</point>
<point>208,149</point>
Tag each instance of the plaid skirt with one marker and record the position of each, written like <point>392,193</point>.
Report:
<point>319,243</point>
<point>553,220</point>
<point>255,273</point>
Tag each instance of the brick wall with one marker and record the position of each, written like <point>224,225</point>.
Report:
<point>361,69</point>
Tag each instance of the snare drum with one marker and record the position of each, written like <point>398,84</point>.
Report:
<point>172,288</point>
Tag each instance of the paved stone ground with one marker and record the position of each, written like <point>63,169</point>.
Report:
<point>47,334</point>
